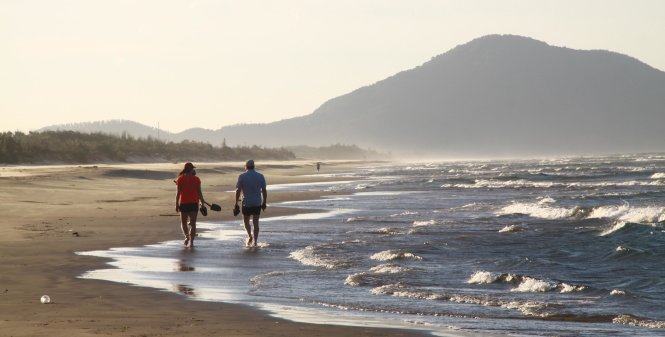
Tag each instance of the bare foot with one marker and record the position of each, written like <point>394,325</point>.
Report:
<point>248,242</point>
<point>186,241</point>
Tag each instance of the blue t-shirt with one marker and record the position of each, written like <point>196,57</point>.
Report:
<point>251,183</point>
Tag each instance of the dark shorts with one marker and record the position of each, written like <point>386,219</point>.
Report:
<point>185,208</point>
<point>251,210</point>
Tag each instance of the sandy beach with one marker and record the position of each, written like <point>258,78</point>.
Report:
<point>51,212</point>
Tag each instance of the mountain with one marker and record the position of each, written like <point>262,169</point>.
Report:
<point>114,127</point>
<point>496,95</point>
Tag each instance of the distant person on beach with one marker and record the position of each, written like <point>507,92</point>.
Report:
<point>318,166</point>
<point>187,201</point>
<point>252,185</point>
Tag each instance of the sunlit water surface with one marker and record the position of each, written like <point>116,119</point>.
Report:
<point>568,247</point>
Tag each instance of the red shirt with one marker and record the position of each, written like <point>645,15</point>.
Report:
<point>189,188</point>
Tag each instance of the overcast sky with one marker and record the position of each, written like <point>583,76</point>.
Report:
<point>215,63</point>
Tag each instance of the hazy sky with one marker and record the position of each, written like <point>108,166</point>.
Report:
<point>214,63</point>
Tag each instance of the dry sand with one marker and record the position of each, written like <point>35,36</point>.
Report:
<point>50,212</point>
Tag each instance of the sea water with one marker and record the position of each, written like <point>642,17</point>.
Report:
<point>565,247</point>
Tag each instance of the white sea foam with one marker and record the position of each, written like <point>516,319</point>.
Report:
<point>528,308</point>
<point>482,277</point>
<point>374,274</point>
<point>390,255</point>
<point>634,321</point>
<point>424,223</point>
<point>387,231</point>
<point>546,200</point>
<point>648,214</point>
<point>617,226</point>
<point>537,210</point>
<point>388,268</point>
<point>658,175</point>
<point>511,229</point>
<point>387,289</point>
<point>523,183</point>
<point>570,288</point>
<point>355,280</point>
<point>530,284</point>
<point>404,213</point>
<point>621,213</point>
<point>617,292</point>
<point>308,257</point>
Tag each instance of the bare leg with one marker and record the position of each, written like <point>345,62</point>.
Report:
<point>245,218</point>
<point>192,227</point>
<point>183,225</point>
<point>255,219</point>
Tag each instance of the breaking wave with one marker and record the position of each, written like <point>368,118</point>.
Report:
<point>375,274</point>
<point>524,283</point>
<point>391,255</point>
<point>538,210</point>
<point>313,256</point>
<point>523,183</point>
<point>424,223</point>
<point>511,229</point>
<point>622,214</point>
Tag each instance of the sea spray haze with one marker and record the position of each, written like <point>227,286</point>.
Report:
<point>565,247</point>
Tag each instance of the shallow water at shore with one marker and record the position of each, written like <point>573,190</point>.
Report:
<point>568,247</point>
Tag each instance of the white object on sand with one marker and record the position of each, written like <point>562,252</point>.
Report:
<point>45,299</point>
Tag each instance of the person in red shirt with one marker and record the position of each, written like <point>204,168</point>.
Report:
<point>187,201</point>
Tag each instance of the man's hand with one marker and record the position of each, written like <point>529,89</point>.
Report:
<point>263,206</point>
<point>177,208</point>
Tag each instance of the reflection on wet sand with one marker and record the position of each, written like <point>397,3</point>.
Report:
<point>181,265</point>
<point>185,290</point>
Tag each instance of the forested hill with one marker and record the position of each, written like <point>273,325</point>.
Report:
<point>69,147</point>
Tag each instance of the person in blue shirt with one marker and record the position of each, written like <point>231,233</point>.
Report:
<point>252,185</point>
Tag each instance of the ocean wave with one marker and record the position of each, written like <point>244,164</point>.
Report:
<point>258,279</point>
<point>658,175</point>
<point>391,255</point>
<point>482,277</point>
<point>511,229</point>
<point>626,213</point>
<point>424,223</point>
<point>617,292</point>
<point>375,274</point>
<point>527,308</point>
<point>309,256</point>
<point>387,231</point>
<point>538,210</point>
<point>389,268</point>
<point>523,183</point>
<point>533,285</point>
<point>639,322</point>
<point>621,213</point>
<point>524,283</point>
<point>404,213</point>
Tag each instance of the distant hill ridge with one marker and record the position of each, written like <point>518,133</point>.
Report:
<point>495,95</point>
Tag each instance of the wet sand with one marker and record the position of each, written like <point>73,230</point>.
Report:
<point>51,212</point>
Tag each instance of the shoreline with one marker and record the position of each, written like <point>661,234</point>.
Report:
<point>38,254</point>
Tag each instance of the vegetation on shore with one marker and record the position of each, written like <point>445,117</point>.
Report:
<point>74,147</point>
